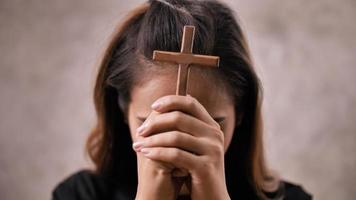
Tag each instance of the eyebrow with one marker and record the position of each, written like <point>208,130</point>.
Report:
<point>217,119</point>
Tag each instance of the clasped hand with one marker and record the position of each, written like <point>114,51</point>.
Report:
<point>180,133</point>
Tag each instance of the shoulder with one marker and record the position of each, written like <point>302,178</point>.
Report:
<point>289,191</point>
<point>295,192</point>
<point>83,184</point>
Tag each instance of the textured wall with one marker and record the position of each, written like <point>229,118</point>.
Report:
<point>304,52</point>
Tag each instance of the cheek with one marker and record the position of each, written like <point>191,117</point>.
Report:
<point>133,125</point>
<point>132,132</point>
<point>228,133</point>
<point>228,128</point>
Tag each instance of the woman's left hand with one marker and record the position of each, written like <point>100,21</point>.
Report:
<point>186,136</point>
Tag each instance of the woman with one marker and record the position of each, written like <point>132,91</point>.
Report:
<point>150,144</point>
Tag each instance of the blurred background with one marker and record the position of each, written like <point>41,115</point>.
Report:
<point>304,51</point>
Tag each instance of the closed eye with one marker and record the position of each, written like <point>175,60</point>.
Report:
<point>217,119</point>
<point>141,119</point>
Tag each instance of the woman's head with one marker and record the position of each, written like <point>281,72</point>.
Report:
<point>211,94</point>
<point>129,81</point>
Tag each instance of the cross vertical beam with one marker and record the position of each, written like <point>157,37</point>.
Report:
<point>185,58</point>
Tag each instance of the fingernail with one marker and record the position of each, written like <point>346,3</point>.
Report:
<point>137,145</point>
<point>145,151</point>
<point>156,105</point>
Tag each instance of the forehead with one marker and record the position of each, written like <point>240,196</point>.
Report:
<point>212,94</point>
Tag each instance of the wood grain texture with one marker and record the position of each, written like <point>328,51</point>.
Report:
<point>185,58</point>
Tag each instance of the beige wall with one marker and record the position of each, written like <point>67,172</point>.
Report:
<point>304,51</point>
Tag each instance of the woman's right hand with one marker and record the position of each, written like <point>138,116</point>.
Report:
<point>155,179</point>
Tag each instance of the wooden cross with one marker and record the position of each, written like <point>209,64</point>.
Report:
<point>185,58</point>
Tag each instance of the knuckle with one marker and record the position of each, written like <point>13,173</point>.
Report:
<point>157,152</point>
<point>149,140</point>
<point>175,139</point>
<point>219,136</point>
<point>192,102</point>
<point>150,123</point>
<point>207,165</point>
<point>175,154</point>
<point>153,140</point>
<point>218,149</point>
<point>217,125</point>
<point>176,116</point>
<point>169,100</point>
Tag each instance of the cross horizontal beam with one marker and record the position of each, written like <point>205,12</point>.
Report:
<point>186,58</point>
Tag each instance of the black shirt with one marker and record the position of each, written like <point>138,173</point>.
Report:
<point>85,185</point>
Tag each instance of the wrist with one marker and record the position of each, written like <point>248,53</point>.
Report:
<point>212,182</point>
<point>155,186</point>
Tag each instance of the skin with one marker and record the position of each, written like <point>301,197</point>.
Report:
<point>174,135</point>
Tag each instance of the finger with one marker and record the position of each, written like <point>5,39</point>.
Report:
<point>187,104</point>
<point>174,139</point>
<point>174,120</point>
<point>144,124</point>
<point>178,158</point>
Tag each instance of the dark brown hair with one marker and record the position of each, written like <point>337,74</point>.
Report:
<point>158,25</point>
